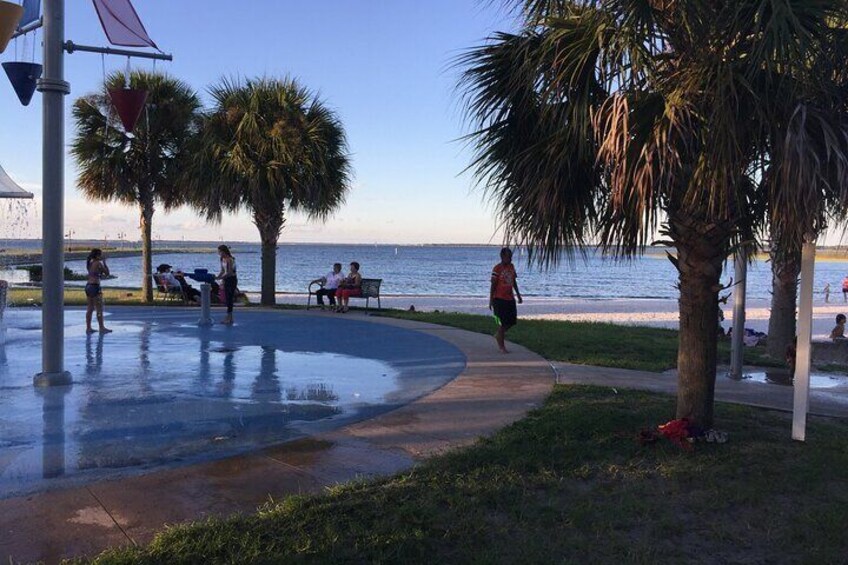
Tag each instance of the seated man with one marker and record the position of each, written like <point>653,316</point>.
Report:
<point>329,284</point>
<point>171,281</point>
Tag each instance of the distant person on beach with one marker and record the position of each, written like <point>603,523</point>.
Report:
<point>827,293</point>
<point>501,297</point>
<point>329,284</point>
<point>96,266</point>
<point>229,278</point>
<point>845,289</point>
<point>838,332</point>
<point>350,286</point>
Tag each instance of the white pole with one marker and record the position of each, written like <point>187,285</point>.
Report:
<point>205,305</point>
<point>53,88</point>
<point>737,352</point>
<point>805,334</point>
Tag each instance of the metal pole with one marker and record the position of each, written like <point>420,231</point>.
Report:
<point>72,47</point>
<point>737,352</point>
<point>805,333</point>
<point>54,89</point>
<point>205,305</point>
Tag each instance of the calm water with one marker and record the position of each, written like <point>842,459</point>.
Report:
<point>449,270</point>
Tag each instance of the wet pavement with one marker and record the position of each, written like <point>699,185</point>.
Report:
<point>765,388</point>
<point>490,391</point>
<point>161,392</point>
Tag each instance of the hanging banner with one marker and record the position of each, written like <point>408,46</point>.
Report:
<point>121,24</point>
<point>32,11</point>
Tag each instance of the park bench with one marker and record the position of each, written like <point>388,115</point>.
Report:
<point>370,289</point>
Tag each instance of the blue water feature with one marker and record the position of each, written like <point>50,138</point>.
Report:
<point>161,392</point>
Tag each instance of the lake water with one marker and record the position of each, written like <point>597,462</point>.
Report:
<point>444,270</point>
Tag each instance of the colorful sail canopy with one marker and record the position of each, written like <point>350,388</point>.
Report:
<point>32,11</point>
<point>9,188</point>
<point>122,24</point>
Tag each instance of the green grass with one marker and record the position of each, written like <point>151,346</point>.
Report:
<point>75,296</point>
<point>569,483</point>
<point>587,343</point>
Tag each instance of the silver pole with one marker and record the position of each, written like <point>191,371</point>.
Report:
<point>737,352</point>
<point>54,88</point>
<point>205,305</point>
<point>801,401</point>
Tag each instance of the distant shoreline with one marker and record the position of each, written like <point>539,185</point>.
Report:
<point>23,257</point>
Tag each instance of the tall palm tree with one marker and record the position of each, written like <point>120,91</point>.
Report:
<point>142,168</point>
<point>268,146</point>
<point>610,121</point>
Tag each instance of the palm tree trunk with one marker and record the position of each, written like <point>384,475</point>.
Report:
<point>702,248</point>
<point>146,225</point>
<point>785,267</point>
<point>270,225</point>
<point>269,268</point>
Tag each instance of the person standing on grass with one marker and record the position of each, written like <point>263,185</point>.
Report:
<point>501,297</point>
<point>230,280</point>
<point>96,266</point>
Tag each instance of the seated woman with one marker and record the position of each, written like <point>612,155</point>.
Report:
<point>839,331</point>
<point>176,280</point>
<point>350,286</point>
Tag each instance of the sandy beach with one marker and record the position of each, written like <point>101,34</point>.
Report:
<point>660,313</point>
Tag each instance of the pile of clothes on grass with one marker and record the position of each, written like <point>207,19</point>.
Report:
<point>750,338</point>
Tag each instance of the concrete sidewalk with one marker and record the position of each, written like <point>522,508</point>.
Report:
<point>831,402</point>
<point>493,391</point>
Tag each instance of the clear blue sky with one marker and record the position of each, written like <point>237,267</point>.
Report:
<point>384,66</point>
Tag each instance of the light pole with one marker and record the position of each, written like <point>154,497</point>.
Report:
<point>53,87</point>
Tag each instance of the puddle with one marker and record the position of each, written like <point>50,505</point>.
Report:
<point>784,378</point>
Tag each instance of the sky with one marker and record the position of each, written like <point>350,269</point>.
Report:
<point>385,66</point>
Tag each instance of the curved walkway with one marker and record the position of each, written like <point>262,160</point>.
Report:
<point>832,402</point>
<point>493,391</point>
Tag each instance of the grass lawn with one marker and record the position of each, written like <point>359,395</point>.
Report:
<point>587,343</point>
<point>569,483</point>
<point>75,296</point>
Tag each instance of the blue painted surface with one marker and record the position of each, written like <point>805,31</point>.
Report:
<point>160,391</point>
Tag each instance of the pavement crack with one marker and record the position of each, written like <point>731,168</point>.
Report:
<point>103,506</point>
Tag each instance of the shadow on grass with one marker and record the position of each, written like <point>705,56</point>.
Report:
<point>567,483</point>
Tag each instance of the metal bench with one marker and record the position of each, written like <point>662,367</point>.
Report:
<point>370,289</point>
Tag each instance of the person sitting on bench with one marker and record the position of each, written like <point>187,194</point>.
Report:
<point>329,284</point>
<point>351,286</point>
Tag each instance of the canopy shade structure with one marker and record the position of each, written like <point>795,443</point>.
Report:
<point>10,189</point>
<point>121,24</point>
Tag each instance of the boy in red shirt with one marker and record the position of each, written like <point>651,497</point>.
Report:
<point>501,298</point>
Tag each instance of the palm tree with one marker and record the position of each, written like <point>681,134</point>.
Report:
<point>612,121</point>
<point>268,146</point>
<point>142,168</point>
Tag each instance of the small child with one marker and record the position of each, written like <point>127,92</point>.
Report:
<point>839,331</point>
